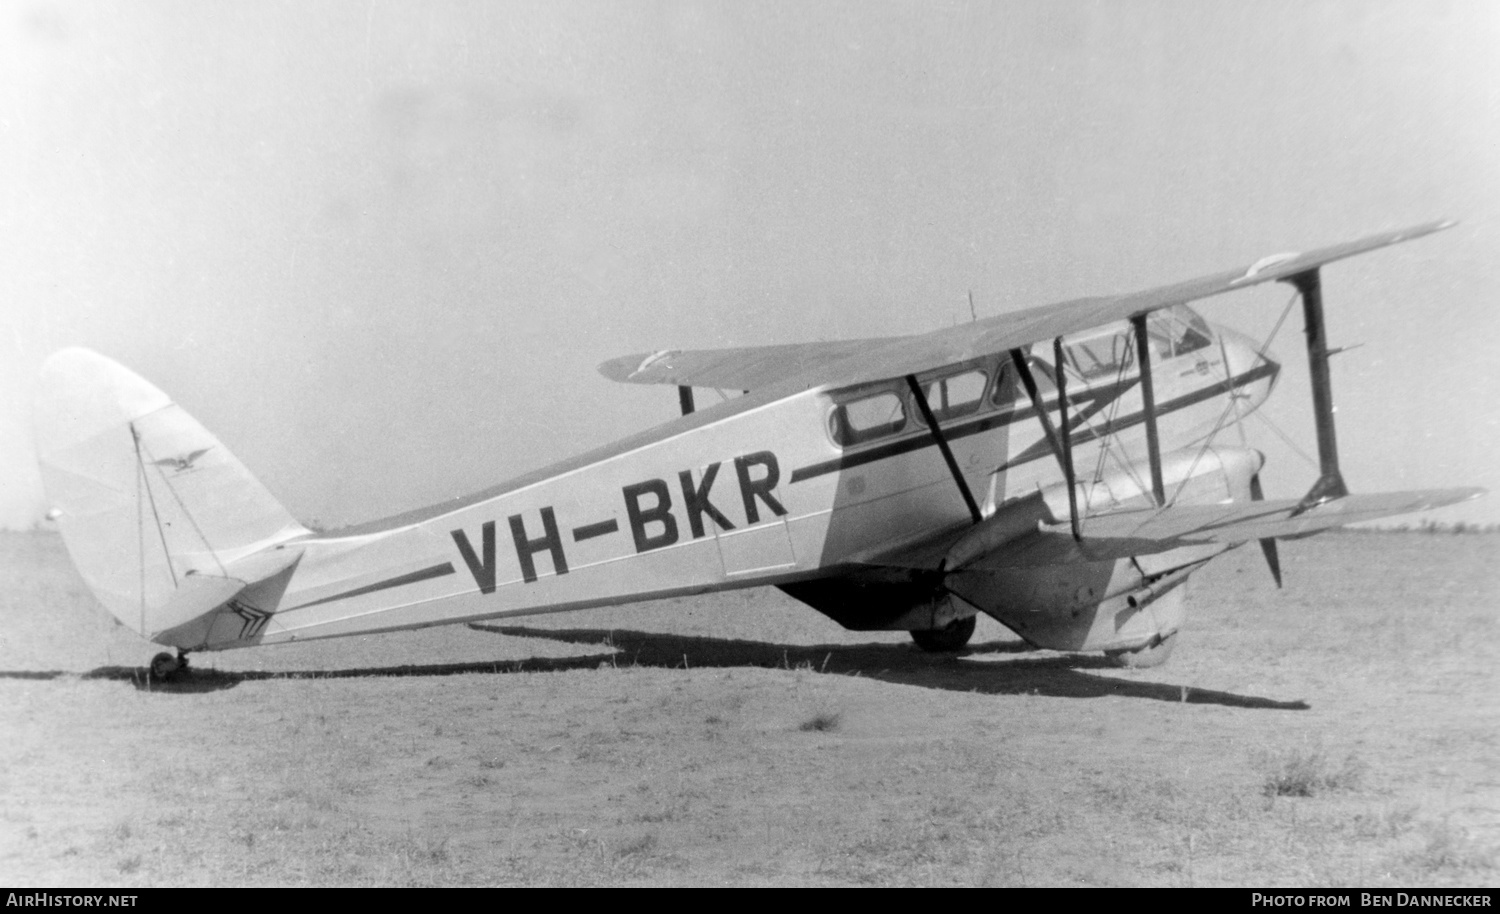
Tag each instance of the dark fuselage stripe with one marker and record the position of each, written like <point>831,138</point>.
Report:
<point>1011,417</point>
<point>436,571</point>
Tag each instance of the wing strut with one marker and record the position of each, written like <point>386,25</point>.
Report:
<point>1148,406</point>
<point>1330,484</point>
<point>685,398</point>
<point>1067,435</point>
<point>942,443</point>
<point>1060,448</point>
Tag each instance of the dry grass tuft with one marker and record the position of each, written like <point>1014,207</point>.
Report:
<point>1449,847</point>
<point>641,846</point>
<point>1306,773</point>
<point>822,722</point>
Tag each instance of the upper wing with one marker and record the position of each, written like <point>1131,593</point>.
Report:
<point>1145,532</point>
<point>857,361</point>
<point>743,368</point>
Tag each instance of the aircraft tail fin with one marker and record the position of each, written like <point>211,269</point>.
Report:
<point>150,504</point>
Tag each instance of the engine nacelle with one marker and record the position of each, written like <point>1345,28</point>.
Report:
<point>1093,606</point>
<point>1116,604</point>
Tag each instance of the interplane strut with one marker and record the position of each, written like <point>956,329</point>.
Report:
<point>1148,406</point>
<point>1058,442</point>
<point>942,443</point>
<point>1330,484</point>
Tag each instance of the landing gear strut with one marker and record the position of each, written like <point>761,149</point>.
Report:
<point>951,637</point>
<point>164,666</point>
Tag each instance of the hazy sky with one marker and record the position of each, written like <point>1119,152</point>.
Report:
<point>379,247</point>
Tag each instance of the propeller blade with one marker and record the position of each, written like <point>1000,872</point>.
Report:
<point>1268,549</point>
<point>1267,545</point>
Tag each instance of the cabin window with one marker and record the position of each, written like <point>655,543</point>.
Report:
<point>1042,373</point>
<point>867,418</point>
<point>1101,355</point>
<point>1007,387</point>
<point>1110,352</point>
<point>956,396</point>
<point>1181,329</point>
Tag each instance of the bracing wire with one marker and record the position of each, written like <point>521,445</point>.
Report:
<point>1279,321</point>
<point>140,522</point>
<point>151,497</point>
<point>1287,440</point>
<point>1230,407</point>
<point>1234,396</point>
<point>1104,437</point>
<point>189,515</point>
<point>1234,404</point>
<point>1124,462</point>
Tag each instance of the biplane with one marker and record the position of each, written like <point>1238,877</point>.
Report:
<point>1061,469</point>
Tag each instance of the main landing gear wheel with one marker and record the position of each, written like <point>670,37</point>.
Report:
<point>164,666</point>
<point>952,637</point>
<point>1153,654</point>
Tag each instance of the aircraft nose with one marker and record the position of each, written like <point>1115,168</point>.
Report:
<point>1265,362</point>
<point>1254,371</point>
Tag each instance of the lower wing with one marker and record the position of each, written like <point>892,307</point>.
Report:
<point>1149,531</point>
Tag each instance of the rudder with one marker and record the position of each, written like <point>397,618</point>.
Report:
<point>143,494</point>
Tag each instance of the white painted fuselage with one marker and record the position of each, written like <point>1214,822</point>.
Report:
<point>752,491</point>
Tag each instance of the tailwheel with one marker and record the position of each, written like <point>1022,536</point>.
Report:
<point>951,637</point>
<point>1152,654</point>
<point>165,666</point>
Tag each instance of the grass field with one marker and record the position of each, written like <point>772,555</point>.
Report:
<point>1345,731</point>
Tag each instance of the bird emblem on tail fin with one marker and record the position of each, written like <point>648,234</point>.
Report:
<point>184,463</point>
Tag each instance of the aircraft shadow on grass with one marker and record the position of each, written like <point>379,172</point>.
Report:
<point>1049,674</point>
<point>1055,675</point>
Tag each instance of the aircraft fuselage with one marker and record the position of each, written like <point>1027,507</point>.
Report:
<point>764,489</point>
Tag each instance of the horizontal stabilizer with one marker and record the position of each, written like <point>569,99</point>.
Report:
<point>197,595</point>
<point>1145,532</point>
<point>186,619</point>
